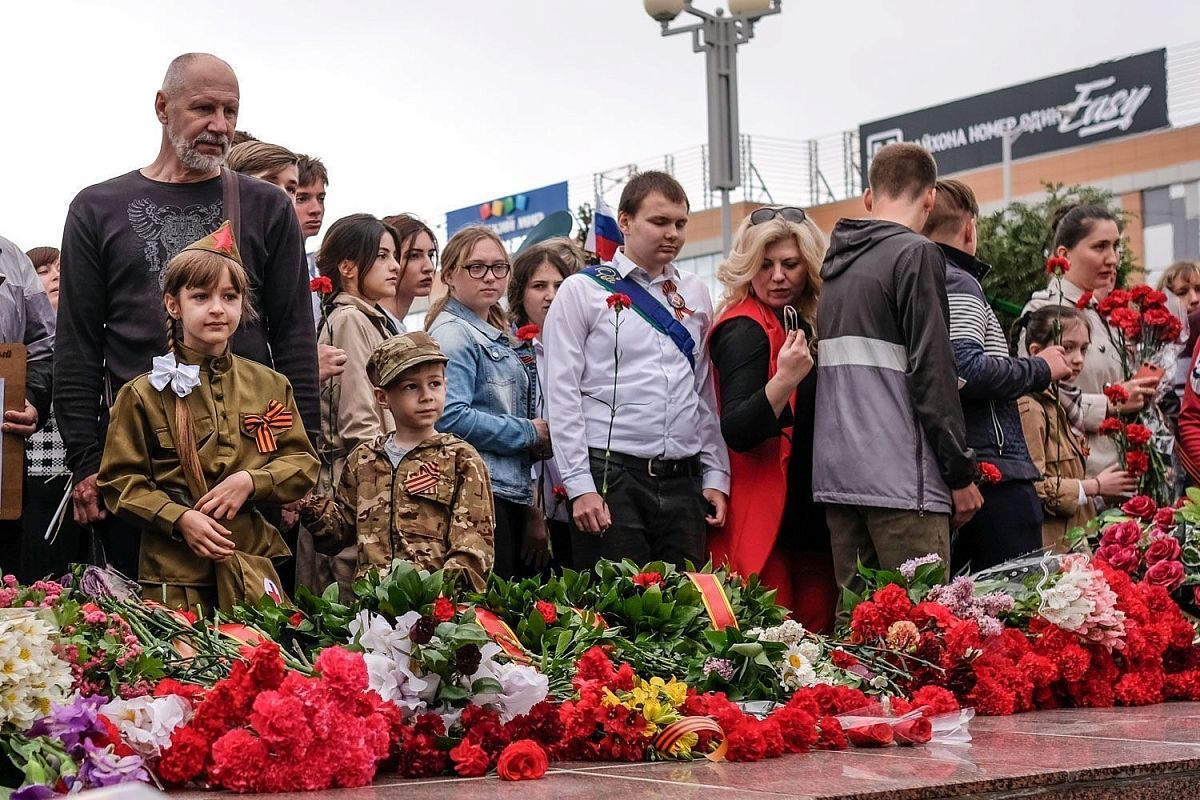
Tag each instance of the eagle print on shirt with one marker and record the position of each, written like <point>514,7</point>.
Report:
<point>167,229</point>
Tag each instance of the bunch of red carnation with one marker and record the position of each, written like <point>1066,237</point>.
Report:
<point>1140,320</point>
<point>1132,440</point>
<point>266,729</point>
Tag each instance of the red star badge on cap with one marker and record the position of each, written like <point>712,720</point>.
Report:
<point>223,239</point>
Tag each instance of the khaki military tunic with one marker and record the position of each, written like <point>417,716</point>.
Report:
<point>434,509</point>
<point>142,481</point>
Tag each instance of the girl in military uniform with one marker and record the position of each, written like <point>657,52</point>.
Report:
<point>197,445</point>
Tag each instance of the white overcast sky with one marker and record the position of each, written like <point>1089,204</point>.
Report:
<point>433,105</point>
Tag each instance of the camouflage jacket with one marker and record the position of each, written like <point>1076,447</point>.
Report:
<point>434,509</point>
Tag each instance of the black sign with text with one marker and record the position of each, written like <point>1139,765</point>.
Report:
<point>1104,101</point>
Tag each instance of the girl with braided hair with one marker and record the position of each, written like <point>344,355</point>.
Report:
<point>196,446</point>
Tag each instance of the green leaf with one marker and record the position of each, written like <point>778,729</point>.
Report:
<point>487,686</point>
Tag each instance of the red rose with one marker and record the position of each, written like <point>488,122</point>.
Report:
<point>1057,265</point>
<point>1125,559</point>
<point>547,610</point>
<point>1140,506</point>
<point>1137,463</point>
<point>1164,548</point>
<point>527,333</point>
<point>1137,434</point>
<point>913,731</point>
<point>1122,534</point>
<point>619,301</point>
<point>1116,394</point>
<point>1111,426</point>
<point>645,579</point>
<point>877,735</point>
<point>321,285</point>
<point>1165,518</point>
<point>470,760</point>
<point>443,609</point>
<point>523,760</point>
<point>1167,574</point>
<point>989,473</point>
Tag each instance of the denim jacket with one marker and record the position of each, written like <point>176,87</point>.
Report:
<point>489,401</point>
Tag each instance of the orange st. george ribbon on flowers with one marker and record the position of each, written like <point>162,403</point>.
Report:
<point>716,602</point>
<point>669,736</point>
<point>276,418</point>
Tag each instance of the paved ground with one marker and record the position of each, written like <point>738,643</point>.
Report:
<point>1127,753</point>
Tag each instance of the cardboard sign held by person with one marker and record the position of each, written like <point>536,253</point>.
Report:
<point>12,447</point>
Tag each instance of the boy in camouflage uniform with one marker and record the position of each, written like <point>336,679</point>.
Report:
<point>414,494</point>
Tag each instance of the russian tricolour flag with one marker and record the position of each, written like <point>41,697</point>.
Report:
<point>605,237</point>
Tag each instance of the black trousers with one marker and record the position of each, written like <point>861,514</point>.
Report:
<point>511,519</point>
<point>1009,525</point>
<point>35,557</point>
<point>655,517</point>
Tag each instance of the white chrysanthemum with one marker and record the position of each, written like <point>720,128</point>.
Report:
<point>797,671</point>
<point>31,674</point>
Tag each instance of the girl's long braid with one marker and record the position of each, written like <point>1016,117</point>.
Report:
<point>185,429</point>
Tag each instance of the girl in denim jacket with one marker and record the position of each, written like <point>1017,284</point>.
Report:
<point>489,395</point>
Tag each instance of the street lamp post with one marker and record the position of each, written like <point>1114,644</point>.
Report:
<point>718,35</point>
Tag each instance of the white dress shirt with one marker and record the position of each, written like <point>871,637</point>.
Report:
<point>665,409</point>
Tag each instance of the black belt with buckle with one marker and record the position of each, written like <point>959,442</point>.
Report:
<point>654,467</point>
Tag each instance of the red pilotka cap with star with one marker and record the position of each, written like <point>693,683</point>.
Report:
<point>221,242</point>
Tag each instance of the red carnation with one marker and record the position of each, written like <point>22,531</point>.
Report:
<point>1137,463</point>
<point>523,760</point>
<point>321,285</point>
<point>1154,297</point>
<point>989,473</point>
<point>470,760</point>
<point>1137,434</point>
<point>1057,265</point>
<point>1111,426</point>
<point>938,699</point>
<point>345,672</point>
<point>443,609</point>
<point>296,619</point>
<point>1085,300</point>
<point>646,579</point>
<point>1116,393</point>
<point>619,301</point>
<point>1157,317</point>
<point>547,610</point>
<point>843,659</point>
<point>1117,298</point>
<point>1168,574</point>
<point>1140,506</point>
<point>527,333</point>
<point>1128,320</point>
<point>559,492</point>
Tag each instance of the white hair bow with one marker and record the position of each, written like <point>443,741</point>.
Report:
<point>182,377</point>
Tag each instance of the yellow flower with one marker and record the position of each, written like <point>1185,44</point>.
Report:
<point>676,692</point>
<point>611,699</point>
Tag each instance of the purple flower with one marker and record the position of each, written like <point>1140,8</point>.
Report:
<point>103,767</point>
<point>37,791</point>
<point>722,666</point>
<point>909,568</point>
<point>72,723</point>
<point>101,582</point>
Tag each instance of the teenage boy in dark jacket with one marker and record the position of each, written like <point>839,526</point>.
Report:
<point>891,459</point>
<point>990,381</point>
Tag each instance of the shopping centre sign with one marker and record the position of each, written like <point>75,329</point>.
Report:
<point>1107,100</point>
<point>513,216</point>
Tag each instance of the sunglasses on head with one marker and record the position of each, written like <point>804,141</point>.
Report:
<point>789,214</point>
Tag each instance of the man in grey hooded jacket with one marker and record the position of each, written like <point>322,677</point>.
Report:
<point>890,455</point>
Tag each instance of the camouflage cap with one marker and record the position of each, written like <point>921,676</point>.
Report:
<point>398,353</point>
